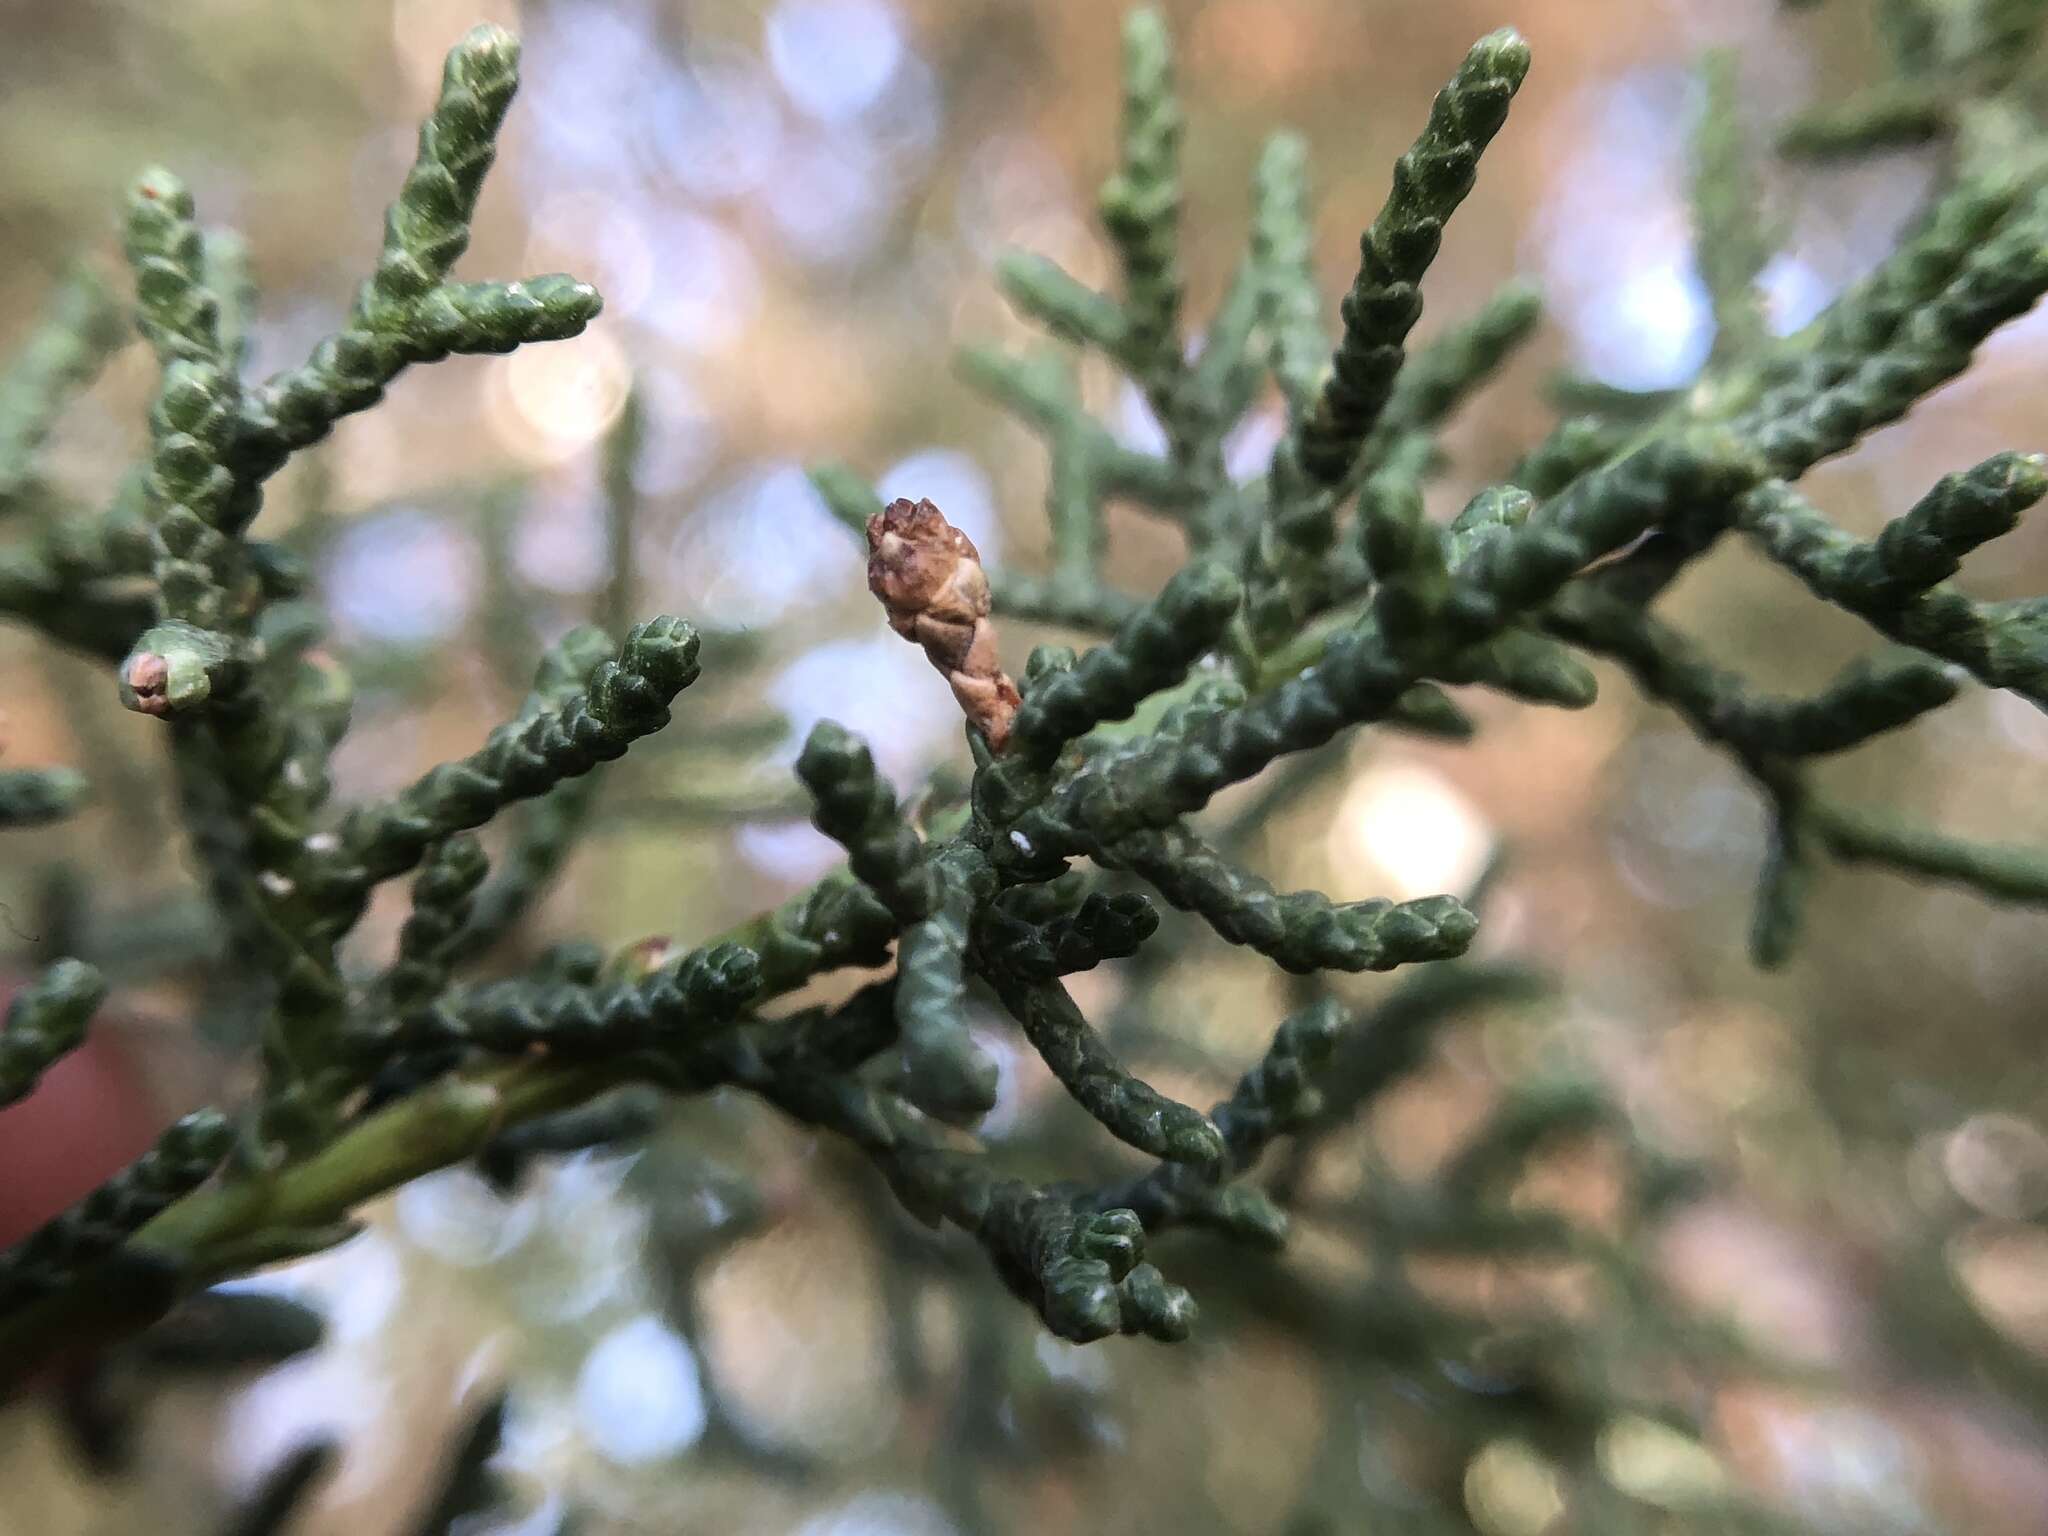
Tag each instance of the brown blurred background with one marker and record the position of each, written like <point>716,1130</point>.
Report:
<point>792,210</point>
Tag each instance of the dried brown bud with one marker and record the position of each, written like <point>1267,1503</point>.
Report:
<point>928,575</point>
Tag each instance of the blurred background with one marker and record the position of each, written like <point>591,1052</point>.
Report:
<point>792,209</point>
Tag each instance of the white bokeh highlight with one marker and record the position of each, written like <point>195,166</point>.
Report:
<point>639,1397</point>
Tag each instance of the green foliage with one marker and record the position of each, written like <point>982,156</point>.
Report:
<point>30,797</point>
<point>1955,68</point>
<point>857,810</point>
<point>184,1157</point>
<point>46,1020</point>
<point>621,701</point>
<point>1385,301</point>
<point>82,327</point>
<point>944,1072</point>
<point>1317,598</point>
<point>1141,204</point>
<point>1277,1096</point>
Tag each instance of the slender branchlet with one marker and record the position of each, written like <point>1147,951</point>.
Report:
<point>1576,446</point>
<point>184,1157</point>
<point>622,700</point>
<point>80,329</point>
<point>1450,366</point>
<point>1275,1097</point>
<point>548,828</point>
<point>408,312</point>
<point>856,809</point>
<point>1044,291</point>
<point>1129,1109</point>
<point>944,1072</point>
<point>442,896</point>
<point>32,797</point>
<point>1040,947</point>
<point>427,229</point>
<point>700,990</point>
<point>46,1019</point>
<point>1732,242</point>
<point>1290,305</point>
<point>1150,652</point>
<point>1896,584</point>
<point>1430,180</point>
<point>176,310</point>
<point>1901,115</point>
<point>1141,202</point>
<point>846,496</point>
<point>1301,931</point>
<point>284,1492</point>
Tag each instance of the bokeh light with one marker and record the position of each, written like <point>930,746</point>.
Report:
<point>638,1396</point>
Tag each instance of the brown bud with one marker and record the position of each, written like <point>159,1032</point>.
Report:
<point>928,575</point>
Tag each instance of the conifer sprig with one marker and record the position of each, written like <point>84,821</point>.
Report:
<point>1319,596</point>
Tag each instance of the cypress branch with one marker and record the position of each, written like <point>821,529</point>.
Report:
<point>1576,446</point>
<point>1090,606</point>
<point>1731,236</point>
<point>442,896</point>
<point>79,331</point>
<point>228,1329</point>
<point>1284,630</point>
<point>838,922</point>
<point>1141,203</point>
<point>700,990</point>
<point>1061,943</point>
<point>1042,290</point>
<point>2003,645</point>
<point>1277,1096</point>
<point>1902,115</point>
<point>184,1157</point>
<point>177,313</point>
<point>1430,180</point>
<point>32,797</point>
<point>621,701</point>
<point>427,228</point>
<point>846,496</point>
<point>1151,651</point>
<point>349,371</point>
<point>1530,1116</point>
<point>45,1021</point>
<point>466,1488</point>
<point>1080,1272</point>
<point>1868,699</point>
<point>199,508</point>
<point>856,809</point>
<point>2017,875</point>
<point>548,827</point>
<point>944,1072</point>
<point>284,1491</point>
<point>1129,1109</point>
<point>1302,931</point>
<point>1289,307</point>
<point>224,264</point>
<point>1445,371</point>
